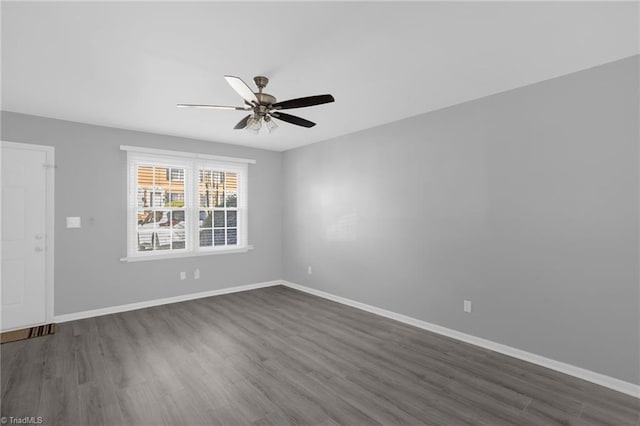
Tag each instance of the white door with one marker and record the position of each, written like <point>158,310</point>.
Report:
<point>26,296</point>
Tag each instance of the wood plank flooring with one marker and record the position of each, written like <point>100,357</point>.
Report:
<point>276,356</point>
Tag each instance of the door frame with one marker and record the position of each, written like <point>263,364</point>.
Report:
<point>49,219</point>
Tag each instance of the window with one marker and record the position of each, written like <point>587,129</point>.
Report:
<point>176,175</point>
<point>183,204</point>
<point>218,195</point>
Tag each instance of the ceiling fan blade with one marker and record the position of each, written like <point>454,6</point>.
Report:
<point>242,123</point>
<point>244,108</point>
<point>292,119</point>
<point>304,102</point>
<point>243,90</point>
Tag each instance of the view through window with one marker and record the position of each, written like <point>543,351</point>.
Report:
<point>182,206</point>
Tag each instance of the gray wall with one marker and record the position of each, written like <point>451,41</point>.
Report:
<point>525,202</point>
<point>91,181</point>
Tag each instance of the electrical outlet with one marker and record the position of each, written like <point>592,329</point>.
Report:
<point>183,275</point>
<point>309,270</point>
<point>467,305</point>
<point>196,274</point>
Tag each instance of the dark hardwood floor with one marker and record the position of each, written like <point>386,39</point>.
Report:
<point>276,356</point>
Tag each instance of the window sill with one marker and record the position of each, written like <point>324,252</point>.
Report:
<point>243,249</point>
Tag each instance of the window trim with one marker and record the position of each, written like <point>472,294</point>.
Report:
<point>192,163</point>
<point>182,154</point>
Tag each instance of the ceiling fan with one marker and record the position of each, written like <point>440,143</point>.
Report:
<point>264,106</point>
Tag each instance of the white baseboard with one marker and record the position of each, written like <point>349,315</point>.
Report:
<point>581,373</point>
<point>147,304</point>
<point>591,376</point>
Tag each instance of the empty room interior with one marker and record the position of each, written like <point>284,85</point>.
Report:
<point>320,213</point>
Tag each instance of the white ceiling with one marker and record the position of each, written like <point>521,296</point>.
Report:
<point>126,65</point>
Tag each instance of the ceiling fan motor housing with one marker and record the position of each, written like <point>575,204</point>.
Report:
<point>265,98</point>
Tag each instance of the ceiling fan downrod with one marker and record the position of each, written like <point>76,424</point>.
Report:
<point>264,99</point>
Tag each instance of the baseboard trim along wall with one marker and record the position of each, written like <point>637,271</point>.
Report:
<point>581,373</point>
<point>157,302</point>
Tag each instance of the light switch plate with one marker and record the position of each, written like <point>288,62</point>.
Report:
<point>73,222</point>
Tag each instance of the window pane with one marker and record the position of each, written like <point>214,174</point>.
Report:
<point>218,237</point>
<point>161,188</point>
<point>152,198</point>
<point>211,187</point>
<point>178,235</point>
<point>175,193</point>
<point>218,197</point>
<point>145,239</point>
<point>154,240</point>
<point>165,246</point>
<point>232,218</point>
<point>205,238</point>
<point>163,218</point>
<point>146,230</point>
<point>218,178</point>
<point>218,219</point>
<point>177,218</point>
<point>232,236</point>
<point>206,189</point>
<point>175,175</point>
<point>141,199</point>
<point>145,219</point>
<point>217,186</point>
<point>205,219</point>
<point>176,199</point>
<point>231,181</point>
<point>154,186</point>
<point>162,238</point>
<point>205,201</point>
<point>145,186</point>
<point>232,199</point>
<point>178,240</point>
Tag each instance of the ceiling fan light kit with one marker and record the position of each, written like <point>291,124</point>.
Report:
<point>264,107</point>
<point>271,125</point>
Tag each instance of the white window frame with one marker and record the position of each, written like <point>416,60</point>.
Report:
<point>192,163</point>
